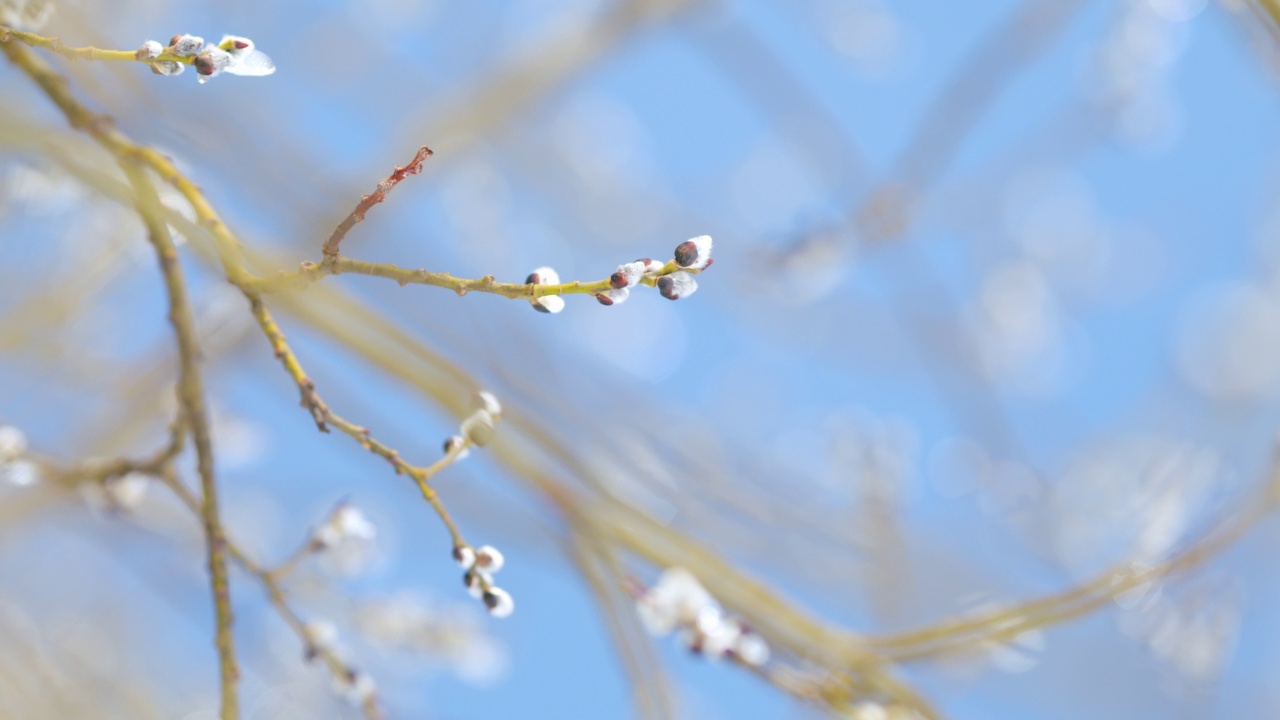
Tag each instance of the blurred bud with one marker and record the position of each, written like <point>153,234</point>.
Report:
<point>489,403</point>
<point>355,687</point>
<point>464,556</point>
<point>13,443</point>
<point>20,473</point>
<point>499,602</point>
<point>127,491</point>
<point>346,522</point>
<point>453,442</point>
<point>321,635</point>
<point>475,582</point>
<point>751,649</point>
<point>489,559</point>
<point>478,428</point>
<point>676,599</point>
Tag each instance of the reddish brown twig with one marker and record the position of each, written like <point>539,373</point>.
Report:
<point>378,195</point>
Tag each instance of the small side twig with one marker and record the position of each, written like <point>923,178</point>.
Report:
<point>368,201</point>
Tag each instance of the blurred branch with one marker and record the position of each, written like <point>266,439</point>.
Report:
<point>191,395</point>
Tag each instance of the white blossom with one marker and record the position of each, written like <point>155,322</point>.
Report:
<point>127,491</point>
<point>13,443</point>
<point>752,649</point>
<point>355,687</point>
<point>346,523</point>
<point>676,599</point>
<point>321,634</point>
<point>20,473</point>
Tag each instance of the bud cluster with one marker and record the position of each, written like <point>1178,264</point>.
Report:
<point>233,55</point>
<point>674,280</point>
<point>480,565</point>
<point>679,603</point>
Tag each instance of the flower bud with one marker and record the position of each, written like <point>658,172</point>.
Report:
<point>489,559</point>
<point>694,253</point>
<point>150,49</point>
<point>184,45</point>
<point>677,285</point>
<point>499,602</point>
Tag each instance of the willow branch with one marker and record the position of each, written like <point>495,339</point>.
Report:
<point>87,53</point>
<point>191,397</point>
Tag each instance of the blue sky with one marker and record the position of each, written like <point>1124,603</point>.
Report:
<point>1083,302</point>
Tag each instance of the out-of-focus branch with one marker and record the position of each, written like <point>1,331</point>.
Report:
<point>270,581</point>
<point>195,415</point>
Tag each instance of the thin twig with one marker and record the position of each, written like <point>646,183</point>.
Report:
<point>368,201</point>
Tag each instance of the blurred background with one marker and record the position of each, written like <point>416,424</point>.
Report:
<point>995,307</point>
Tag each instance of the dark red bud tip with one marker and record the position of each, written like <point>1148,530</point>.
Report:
<point>540,308</point>
<point>618,280</point>
<point>204,64</point>
<point>666,286</point>
<point>604,299</point>
<point>174,39</point>
<point>710,262</point>
<point>686,253</point>
<point>468,577</point>
<point>457,551</point>
<point>490,600</point>
<point>240,44</point>
<point>646,261</point>
<point>533,279</point>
